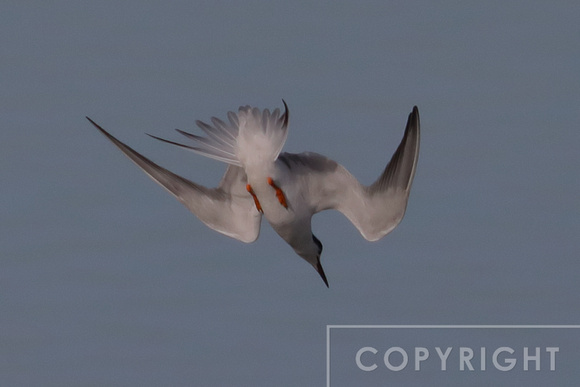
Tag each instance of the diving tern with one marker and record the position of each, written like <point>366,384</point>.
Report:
<point>285,188</point>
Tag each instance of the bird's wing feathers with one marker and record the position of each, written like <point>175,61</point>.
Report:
<point>227,209</point>
<point>375,210</point>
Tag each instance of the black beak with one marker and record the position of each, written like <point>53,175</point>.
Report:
<point>320,271</point>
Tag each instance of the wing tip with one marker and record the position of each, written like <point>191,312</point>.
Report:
<point>93,122</point>
<point>286,114</point>
<point>413,119</point>
<point>104,132</point>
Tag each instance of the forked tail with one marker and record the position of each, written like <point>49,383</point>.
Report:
<point>249,136</point>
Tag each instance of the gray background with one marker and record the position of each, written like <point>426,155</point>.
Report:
<point>105,279</point>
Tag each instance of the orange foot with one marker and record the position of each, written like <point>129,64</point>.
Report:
<point>279,193</point>
<point>256,201</point>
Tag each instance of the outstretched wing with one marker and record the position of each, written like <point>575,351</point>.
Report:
<point>227,209</point>
<point>375,210</point>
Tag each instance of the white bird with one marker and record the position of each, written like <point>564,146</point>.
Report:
<point>286,188</point>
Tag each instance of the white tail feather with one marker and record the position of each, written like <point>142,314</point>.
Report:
<point>261,135</point>
<point>250,136</point>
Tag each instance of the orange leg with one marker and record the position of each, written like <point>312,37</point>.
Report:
<point>279,193</point>
<point>256,201</point>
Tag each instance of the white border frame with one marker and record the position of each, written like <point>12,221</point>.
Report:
<point>329,327</point>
